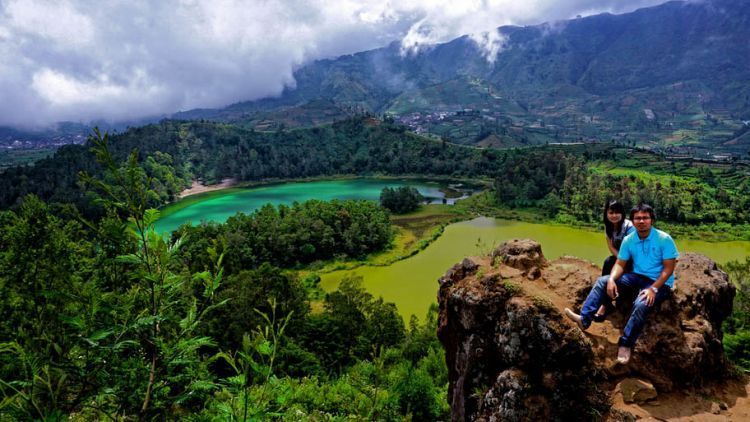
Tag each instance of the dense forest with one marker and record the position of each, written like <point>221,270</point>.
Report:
<point>288,236</point>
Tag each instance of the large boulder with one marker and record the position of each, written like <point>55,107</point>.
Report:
<point>512,356</point>
<point>522,254</point>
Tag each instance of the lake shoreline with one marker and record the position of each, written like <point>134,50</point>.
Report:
<point>197,188</point>
<point>469,207</point>
<point>209,191</point>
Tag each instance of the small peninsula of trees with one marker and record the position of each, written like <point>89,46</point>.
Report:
<point>401,200</point>
<point>289,235</point>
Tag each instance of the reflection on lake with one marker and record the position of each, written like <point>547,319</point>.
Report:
<point>412,283</point>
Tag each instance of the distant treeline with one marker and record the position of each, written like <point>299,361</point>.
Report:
<point>211,151</point>
<point>567,186</point>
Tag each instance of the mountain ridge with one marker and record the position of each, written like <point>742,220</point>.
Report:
<point>641,75</point>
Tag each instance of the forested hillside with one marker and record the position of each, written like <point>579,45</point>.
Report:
<point>568,182</point>
<point>211,151</point>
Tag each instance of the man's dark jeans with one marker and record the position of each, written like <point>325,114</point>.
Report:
<point>640,311</point>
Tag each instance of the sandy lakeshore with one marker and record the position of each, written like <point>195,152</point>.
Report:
<point>199,187</point>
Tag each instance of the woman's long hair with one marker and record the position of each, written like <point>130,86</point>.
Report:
<point>617,207</point>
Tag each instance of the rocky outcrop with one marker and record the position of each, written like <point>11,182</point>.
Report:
<point>634,390</point>
<point>513,357</point>
<point>522,254</point>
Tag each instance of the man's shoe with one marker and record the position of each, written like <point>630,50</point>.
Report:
<point>623,355</point>
<point>575,318</point>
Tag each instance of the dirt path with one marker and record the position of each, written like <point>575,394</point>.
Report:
<point>728,402</point>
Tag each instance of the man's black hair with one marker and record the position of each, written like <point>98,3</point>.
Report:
<point>643,207</point>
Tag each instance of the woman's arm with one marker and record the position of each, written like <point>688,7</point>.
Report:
<point>611,246</point>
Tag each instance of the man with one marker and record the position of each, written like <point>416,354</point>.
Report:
<point>654,256</point>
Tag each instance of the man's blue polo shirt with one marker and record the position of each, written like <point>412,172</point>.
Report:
<point>648,253</point>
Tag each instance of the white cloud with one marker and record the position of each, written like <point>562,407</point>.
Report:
<point>491,43</point>
<point>59,22</point>
<point>81,60</point>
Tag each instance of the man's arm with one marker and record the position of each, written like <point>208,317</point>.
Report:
<point>666,272</point>
<point>617,271</point>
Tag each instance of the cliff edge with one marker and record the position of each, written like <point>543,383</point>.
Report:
<point>512,356</point>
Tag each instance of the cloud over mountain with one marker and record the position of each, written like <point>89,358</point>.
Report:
<point>79,61</point>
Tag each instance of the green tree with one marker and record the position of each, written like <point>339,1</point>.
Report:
<point>400,200</point>
<point>162,318</point>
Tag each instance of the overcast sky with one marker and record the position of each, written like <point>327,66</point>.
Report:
<point>81,60</point>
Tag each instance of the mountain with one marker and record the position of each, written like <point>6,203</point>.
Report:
<point>673,78</point>
<point>664,76</point>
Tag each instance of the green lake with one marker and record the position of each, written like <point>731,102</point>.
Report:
<point>412,283</point>
<point>218,206</point>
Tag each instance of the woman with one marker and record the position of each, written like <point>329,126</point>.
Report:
<point>616,227</point>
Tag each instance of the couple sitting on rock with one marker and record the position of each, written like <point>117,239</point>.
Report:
<point>653,255</point>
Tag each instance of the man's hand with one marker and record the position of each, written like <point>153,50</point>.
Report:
<point>648,296</point>
<point>612,288</point>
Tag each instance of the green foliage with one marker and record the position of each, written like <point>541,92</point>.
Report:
<point>254,362</point>
<point>406,381</point>
<point>417,394</point>
<point>737,326</point>
<point>42,264</point>
<point>737,348</point>
<point>512,288</point>
<point>129,324</point>
<point>353,326</point>
<point>400,200</point>
<point>574,191</point>
<point>162,317</point>
<point>115,328</point>
<point>249,295</point>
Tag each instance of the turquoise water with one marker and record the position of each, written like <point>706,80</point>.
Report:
<point>219,207</point>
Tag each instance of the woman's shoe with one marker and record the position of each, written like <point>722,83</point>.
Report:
<point>601,314</point>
